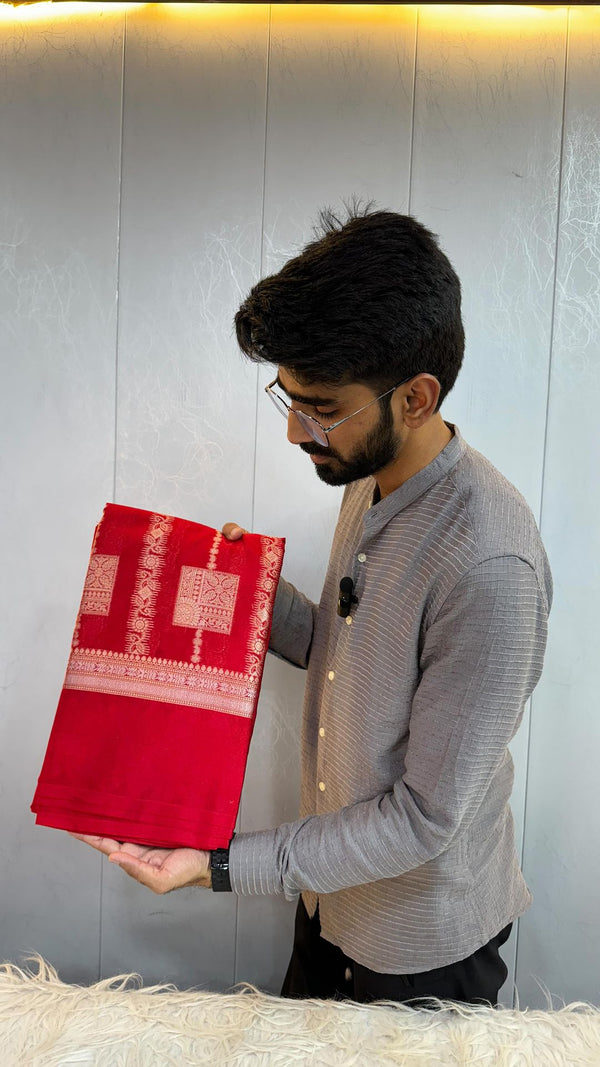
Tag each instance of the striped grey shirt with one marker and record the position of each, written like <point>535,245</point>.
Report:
<point>406,835</point>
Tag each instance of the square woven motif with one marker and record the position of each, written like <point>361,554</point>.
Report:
<point>99,585</point>
<point>206,599</point>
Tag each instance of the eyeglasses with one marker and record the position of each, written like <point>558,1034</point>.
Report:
<point>313,426</point>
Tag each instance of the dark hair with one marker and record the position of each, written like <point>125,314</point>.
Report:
<point>372,300</point>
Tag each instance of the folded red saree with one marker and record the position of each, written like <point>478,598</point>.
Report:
<point>152,730</point>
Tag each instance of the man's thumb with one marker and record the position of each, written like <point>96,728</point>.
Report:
<point>232,531</point>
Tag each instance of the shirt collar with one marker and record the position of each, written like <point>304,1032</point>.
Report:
<point>376,517</point>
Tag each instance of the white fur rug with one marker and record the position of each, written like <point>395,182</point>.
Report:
<point>115,1023</point>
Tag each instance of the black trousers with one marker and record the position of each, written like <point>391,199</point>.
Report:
<point>319,969</point>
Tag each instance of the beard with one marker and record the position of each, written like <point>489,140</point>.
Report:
<point>380,447</point>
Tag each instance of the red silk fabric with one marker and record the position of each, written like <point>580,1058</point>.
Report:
<point>152,730</point>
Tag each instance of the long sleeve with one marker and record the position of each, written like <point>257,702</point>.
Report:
<point>293,624</point>
<point>481,659</point>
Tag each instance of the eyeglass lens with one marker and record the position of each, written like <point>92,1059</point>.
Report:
<point>308,424</point>
<point>312,428</point>
<point>279,404</point>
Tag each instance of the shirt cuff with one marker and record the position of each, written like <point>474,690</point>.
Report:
<point>255,864</point>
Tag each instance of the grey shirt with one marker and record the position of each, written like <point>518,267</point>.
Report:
<point>406,835</point>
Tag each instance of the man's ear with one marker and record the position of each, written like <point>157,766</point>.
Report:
<point>420,400</point>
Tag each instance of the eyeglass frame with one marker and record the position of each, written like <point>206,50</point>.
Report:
<point>275,398</point>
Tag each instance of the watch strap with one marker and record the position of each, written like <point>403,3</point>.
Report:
<point>219,869</point>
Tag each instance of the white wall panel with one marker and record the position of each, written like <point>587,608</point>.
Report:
<point>559,940</point>
<point>488,117</point>
<point>193,135</point>
<point>60,112</point>
<point>190,238</point>
<point>488,121</point>
<point>338,123</point>
<point>270,797</point>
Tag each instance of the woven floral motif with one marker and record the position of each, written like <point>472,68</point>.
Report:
<point>99,585</point>
<point>190,685</point>
<point>141,616</point>
<point>206,599</point>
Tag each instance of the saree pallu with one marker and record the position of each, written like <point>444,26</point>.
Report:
<point>151,734</point>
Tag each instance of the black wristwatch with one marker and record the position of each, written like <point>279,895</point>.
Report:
<point>219,870</point>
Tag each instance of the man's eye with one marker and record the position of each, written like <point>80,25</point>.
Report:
<point>319,411</point>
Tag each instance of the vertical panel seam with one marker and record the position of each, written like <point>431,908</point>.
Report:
<point>545,446</point>
<point>116,384</point>
<point>556,254</point>
<point>262,242</point>
<point>412,120</point>
<point>118,258</point>
<point>257,390</point>
<point>100,919</point>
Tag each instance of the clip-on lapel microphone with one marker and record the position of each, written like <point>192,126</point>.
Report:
<point>346,597</point>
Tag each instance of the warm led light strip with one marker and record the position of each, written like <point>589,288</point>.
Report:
<point>75,6</point>
<point>27,11</point>
<point>24,10</point>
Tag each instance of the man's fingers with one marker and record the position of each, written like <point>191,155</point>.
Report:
<point>105,845</point>
<point>142,872</point>
<point>232,531</point>
<point>142,852</point>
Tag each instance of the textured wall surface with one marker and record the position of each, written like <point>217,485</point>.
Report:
<point>154,163</point>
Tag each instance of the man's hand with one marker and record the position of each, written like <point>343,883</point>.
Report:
<point>161,869</point>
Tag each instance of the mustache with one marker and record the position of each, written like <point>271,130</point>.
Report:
<point>316,450</point>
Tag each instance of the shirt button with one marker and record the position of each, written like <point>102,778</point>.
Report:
<point>348,974</point>
<point>321,731</point>
<point>322,786</point>
<point>348,620</point>
<point>362,557</point>
<point>331,675</point>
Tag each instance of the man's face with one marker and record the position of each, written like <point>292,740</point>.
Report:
<point>364,445</point>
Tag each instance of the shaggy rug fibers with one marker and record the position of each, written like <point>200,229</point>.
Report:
<point>115,1023</point>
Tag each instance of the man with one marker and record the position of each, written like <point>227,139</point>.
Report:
<point>427,642</point>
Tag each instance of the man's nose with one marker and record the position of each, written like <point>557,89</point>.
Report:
<point>296,434</point>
